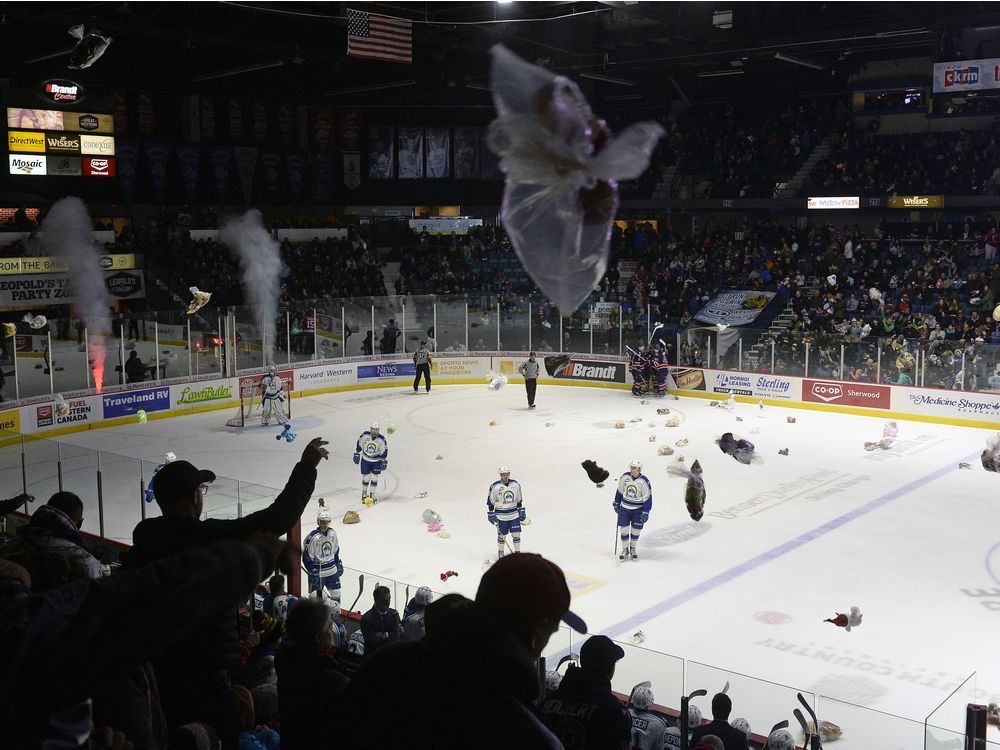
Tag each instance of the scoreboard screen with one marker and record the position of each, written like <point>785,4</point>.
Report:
<point>46,142</point>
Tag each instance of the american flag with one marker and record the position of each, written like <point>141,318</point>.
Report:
<point>374,37</point>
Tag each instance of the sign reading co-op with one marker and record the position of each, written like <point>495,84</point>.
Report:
<point>131,402</point>
<point>847,393</point>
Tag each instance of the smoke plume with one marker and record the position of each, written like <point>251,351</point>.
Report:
<point>260,261</point>
<point>68,233</point>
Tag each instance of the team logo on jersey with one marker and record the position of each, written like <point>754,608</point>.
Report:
<point>507,496</point>
<point>326,550</point>
<point>371,449</point>
<point>631,490</point>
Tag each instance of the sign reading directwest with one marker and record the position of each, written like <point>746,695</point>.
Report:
<point>846,394</point>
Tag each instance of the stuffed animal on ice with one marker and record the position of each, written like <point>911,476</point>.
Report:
<point>200,300</point>
<point>890,430</point>
<point>846,622</point>
<point>991,456</point>
<point>694,495</point>
<point>729,404</point>
<point>595,473</point>
<point>35,321</point>
<point>497,381</point>
<point>740,449</point>
<point>287,434</point>
<point>429,516</point>
<point>828,731</point>
<point>562,167</point>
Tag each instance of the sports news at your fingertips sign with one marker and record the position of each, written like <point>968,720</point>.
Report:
<point>561,166</point>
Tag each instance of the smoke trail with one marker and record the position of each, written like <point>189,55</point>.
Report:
<point>67,232</point>
<point>260,261</point>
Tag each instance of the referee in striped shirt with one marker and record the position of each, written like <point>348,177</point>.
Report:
<point>529,370</point>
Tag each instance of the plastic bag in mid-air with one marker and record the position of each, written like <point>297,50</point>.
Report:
<point>561,166</point>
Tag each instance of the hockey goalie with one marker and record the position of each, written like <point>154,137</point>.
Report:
<point>267,403</point>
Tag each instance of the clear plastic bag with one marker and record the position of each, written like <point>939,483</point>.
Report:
<point>561,166</point>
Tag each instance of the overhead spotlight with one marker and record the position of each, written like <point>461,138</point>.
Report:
<point>797,61</point>
<point>505,2</point>
<point>608,79</point>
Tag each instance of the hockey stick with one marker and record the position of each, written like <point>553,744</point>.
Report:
<point>656,328</point>
<point>817,741</point>
<point>726,688</point>
<point>616,536</point>
<point>569,657</point>
<point>361,590</point>
<point>805,727</point>
<point>407,593</point>
<point>683,725</point>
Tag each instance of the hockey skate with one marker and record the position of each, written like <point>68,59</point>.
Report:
<point>623,556</point>
<point>632,553</point>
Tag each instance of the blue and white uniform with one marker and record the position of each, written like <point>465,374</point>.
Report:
<point>321,558</point>
<point>505,510</point>
<point>272,398</point>
<point>648,730</point>
<point>150,495</point>
<point>372,454</point>
<point>633,501</point>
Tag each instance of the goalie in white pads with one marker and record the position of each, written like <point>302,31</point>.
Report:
<point>321,556</point>
<point>633,501</point>
<point>372,454</point>
<point>272,398</point>
<point>505,510</point>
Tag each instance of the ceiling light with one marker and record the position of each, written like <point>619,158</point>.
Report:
<point>797,61</point>
<point>504,2</point>
<point>720,73</point>
<point>239,71</point>
<point>608,79</point>
<point>373,87</point>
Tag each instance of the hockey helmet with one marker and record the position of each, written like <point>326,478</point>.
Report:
<point>642,698</point>
<point>552,680</point>
<point>374,426</point>
<point>170,456</point>
<point>504,470</point>
<point>636,463</point>
<point>424,595</point>
<point>694,716</point>
<point>324,515</point>
<point>334,606</point>
<point>356,643</point>
<point>781,739</point>
<point>272,370</point>
<point>741,724</point>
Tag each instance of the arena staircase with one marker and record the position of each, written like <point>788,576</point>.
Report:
<point>791,188</point>
<point>761,349</point>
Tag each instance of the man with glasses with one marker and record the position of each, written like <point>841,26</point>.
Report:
<point>192,675</point>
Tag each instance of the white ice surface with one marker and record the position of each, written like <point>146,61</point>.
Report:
<point>902,534</point>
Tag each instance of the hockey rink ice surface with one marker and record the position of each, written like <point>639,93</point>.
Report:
<point>903,534</point>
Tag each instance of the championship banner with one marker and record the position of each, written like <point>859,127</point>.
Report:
<point>466,153</point>
<point>352,171</point>
<point>147,120</point>
<point>188,156</point>
<point>438,152</point>
<point>411,153</point>
<point>235,121</point>
<point>351,124</point>
<point>295,175</point>
<point>381,154</point>
<point>220,159</point>
<point>206,118</point>
<point>967,75</point>
<point>322,124</point>
<point>157,155</point>
<point>734,308</point>
<point>489,163</point>
<point>246,165</point>
<point>286,125</point>
<point>128,162</point>
<point>121,114</point>
<point>321,176</point>
<point>259,122</point>
<point>271,162</point>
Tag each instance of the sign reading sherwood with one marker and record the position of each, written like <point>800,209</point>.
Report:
<point>567,367</point>
<point>846,394</point>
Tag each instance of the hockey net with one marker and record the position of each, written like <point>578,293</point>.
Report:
<point>251,412</point>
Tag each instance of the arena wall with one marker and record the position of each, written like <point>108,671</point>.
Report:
<point>119,406</point>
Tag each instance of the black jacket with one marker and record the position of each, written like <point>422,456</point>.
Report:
<point>218,645</point>
<point>374,623</point>
<point>584,709</point>
<point>467,664</point>
<point>310,688</point>
<point>732,738</point>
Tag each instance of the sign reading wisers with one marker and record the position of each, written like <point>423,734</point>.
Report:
<point>566,367</point>
<point>847,394</point>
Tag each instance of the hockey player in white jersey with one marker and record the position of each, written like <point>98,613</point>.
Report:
<point>505,510</point>
<point>372,455</point>
<point>339,631</point>
<point>672,736</point>
<point>648,728</point>
<point>272,398</point>
<point>321,556</point>
<point>633,501</point>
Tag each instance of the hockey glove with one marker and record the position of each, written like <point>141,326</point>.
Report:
<point>340,572</point>
<point>616,505</point>
<point>357,458</point>
<point>383,465</point>
<point>521,515</point>
<point>492,517</point>
<point>643,517</point>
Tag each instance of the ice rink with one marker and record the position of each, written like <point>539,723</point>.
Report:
<point>904,534</point>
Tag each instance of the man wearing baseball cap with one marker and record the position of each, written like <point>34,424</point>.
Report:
<point>582,708</point>
<point>475,654</point>
<point>192,675</point>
